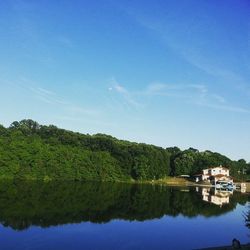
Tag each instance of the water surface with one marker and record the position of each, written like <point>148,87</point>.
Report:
<point>66,215</point>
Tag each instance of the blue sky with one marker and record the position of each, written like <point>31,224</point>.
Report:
<point>169,73</point>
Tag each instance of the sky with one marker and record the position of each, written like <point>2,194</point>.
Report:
<point>168,73</point>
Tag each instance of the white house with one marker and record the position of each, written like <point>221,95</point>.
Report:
<point>206,173</point>
<point>214,174</point>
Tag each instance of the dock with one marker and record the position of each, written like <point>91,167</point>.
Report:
<point>244,187</point>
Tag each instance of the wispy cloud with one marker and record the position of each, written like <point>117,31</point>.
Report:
<point>224,107</point>
<point>127,96</point>
<point>46,95</point>
<point>65,41</point>
<point>120,89</point>
<point>196,94</point>
<point>219,98</point>
<point>53,99</point>
<point>174,89</point>
<point>184,41</point>
<point>45,91</point>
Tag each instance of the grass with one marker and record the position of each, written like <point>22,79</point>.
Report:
<point>171,181</point>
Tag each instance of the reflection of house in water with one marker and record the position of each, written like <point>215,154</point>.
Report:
<point>214,196</point>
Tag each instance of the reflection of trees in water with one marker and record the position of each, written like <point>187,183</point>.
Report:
<point>24,204</point>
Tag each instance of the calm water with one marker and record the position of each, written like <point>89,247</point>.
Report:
<point>118,216</point>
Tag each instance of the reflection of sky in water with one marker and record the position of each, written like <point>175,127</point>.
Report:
<point>165,233</point>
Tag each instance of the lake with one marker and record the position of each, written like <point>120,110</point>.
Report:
<point>75,215</point>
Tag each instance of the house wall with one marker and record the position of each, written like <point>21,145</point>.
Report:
<point>205,177</point>
<point>205,171</point>
<point>219,170</point>
<point>215,171</point>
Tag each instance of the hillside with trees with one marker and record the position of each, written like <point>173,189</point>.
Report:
<point>192,161</point>
<point>29,150</point>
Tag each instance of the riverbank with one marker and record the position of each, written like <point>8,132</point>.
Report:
<point>177,181</point>
<point>168,181</point>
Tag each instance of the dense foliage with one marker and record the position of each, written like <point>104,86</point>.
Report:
<point>32,151</point>
<point>191,161</point>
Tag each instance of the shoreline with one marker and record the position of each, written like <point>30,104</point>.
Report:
<point>176,181</point>
<point>168,181</point>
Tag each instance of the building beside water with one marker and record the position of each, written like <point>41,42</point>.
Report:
<point>213,175</point>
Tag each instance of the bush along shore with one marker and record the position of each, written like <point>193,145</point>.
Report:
<point>29,150</point>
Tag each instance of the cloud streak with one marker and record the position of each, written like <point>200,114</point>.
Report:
<point>184,40</point>
<point>196,94</point>
<point>53,99</point>
<point>46,96</point>
<point>127,96</point>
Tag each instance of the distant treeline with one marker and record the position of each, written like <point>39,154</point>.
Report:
<point>32,151</point>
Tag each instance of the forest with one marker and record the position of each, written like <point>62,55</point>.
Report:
<point>29,150</point>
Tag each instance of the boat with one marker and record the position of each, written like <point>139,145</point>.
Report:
<point>225,185</point>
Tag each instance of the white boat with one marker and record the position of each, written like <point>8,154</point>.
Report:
<point>225,185</point>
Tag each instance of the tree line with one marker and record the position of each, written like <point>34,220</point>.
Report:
<point>29,150</point>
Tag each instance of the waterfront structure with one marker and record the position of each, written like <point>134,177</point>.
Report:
<point>214,174</point>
